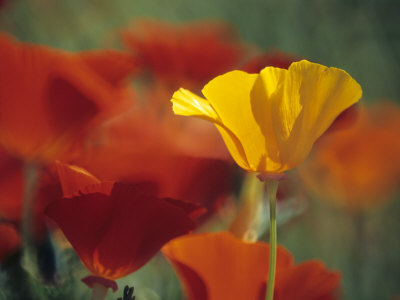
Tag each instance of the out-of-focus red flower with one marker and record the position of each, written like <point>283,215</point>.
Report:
<point>50,98</point>
<point>215,266</point>
<point>187,54</point>
<point>358,167</point>
<point>182,54</point>
<point>9,240</point>
<point>274,58</point>
<point>135,147</point>
<point>116,228</point>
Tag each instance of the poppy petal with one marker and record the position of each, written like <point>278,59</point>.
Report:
<point>83,220</point>
<point>308,280</point>
<point>194,210</point>
<point>116,233</point>
<point>141,225</point>
<point>188,104</point>
<point>233,107</point>
<point>308,100</point>
<point>229,267</point>
<point>74,178</point>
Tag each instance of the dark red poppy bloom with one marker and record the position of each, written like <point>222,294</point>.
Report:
<point>189,53</point>
<point>50,98</point>
<point>216,266</point>
<point>116,228</point>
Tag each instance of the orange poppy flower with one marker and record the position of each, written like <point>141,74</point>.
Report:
<point>50,98</point>
<point>100,216</point>
<point>188,54</point>
<point>358,167</point>
<point>9,240</point>
<point>216,266</point>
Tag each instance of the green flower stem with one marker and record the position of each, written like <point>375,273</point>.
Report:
<point>272,187</point>
<point>28,212</point>
<point>99,292</point>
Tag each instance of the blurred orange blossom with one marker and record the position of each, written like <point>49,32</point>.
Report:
<point>358,167</point>
<point>214,266</point>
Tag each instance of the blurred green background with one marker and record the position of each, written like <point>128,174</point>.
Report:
<point>362,37</point>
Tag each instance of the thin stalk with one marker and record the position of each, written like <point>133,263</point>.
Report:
<point>272,187</point>
<point>99,292</point>
<point>28,208</point>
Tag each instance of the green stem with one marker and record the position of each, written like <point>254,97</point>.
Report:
<point>99,292</point>
<point>28,211</point>
<point>272,187</point>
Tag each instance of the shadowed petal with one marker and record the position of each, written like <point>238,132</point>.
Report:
<point>83,220</point>
<point>74,178</point>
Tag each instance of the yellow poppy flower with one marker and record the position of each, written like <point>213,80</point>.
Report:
<point>269,121</point>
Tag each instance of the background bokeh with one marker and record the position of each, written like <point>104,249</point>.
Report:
<point>362,37</point>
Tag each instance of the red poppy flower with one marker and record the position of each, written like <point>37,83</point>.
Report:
<point>117,228</point>
<point>358,167</point>
<point>134,147</point>
<point>274,58</point>
<point>9,240</point>
<point>216,266</point>
<point>190,53</point>
<point>50,98</point>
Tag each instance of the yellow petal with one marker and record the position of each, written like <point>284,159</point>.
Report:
<point>230,96</point>
<point>309,99</point>
<point>263,94</point>
<point>185,103</point>
<point>188,104</point>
